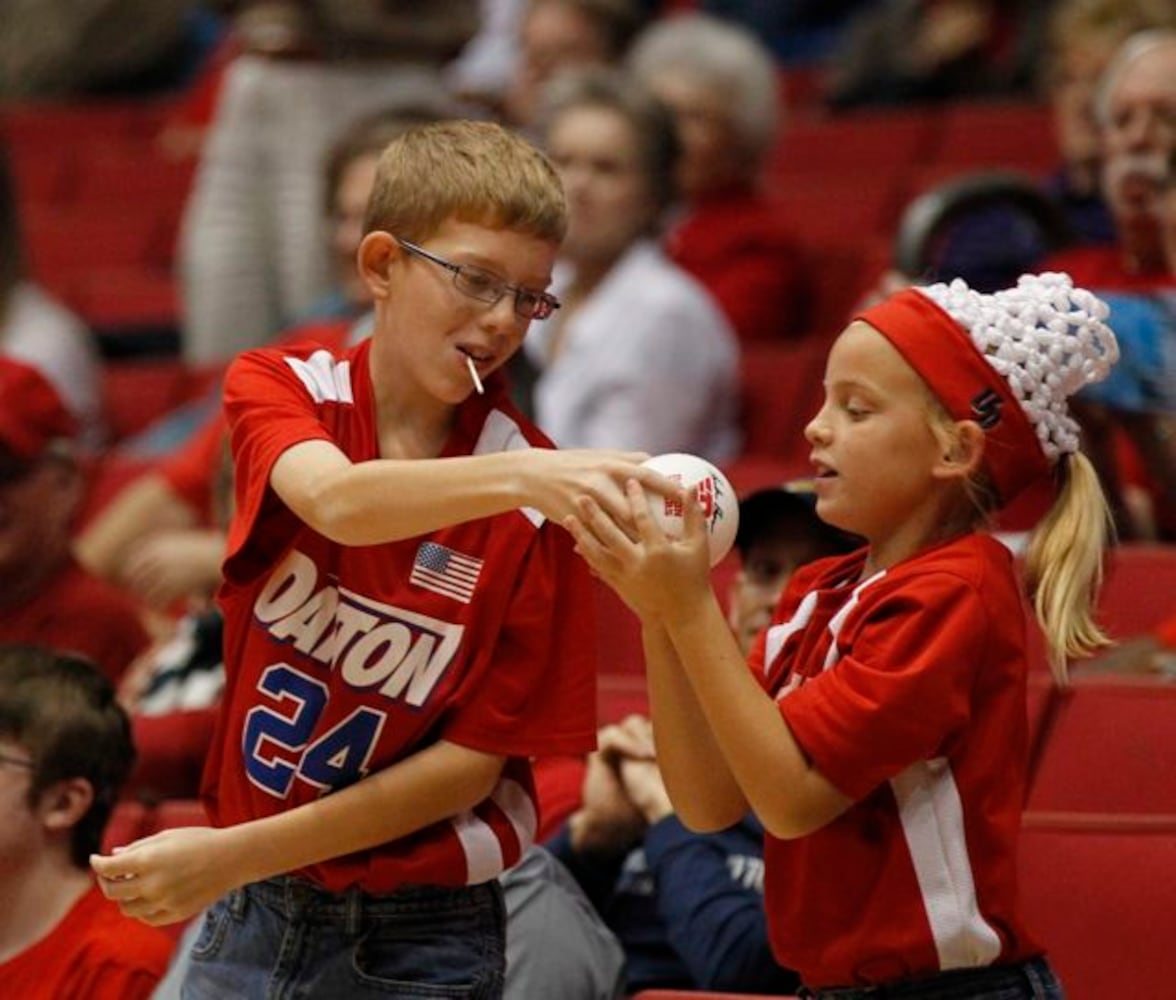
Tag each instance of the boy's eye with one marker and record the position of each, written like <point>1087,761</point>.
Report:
<point>479,281</point>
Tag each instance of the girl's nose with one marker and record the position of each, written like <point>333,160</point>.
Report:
<point>816,429</point>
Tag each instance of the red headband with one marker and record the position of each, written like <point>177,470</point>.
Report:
<point>969,388</point>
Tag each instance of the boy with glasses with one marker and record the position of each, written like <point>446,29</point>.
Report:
<point>404,616</point>
<point>65,750</point>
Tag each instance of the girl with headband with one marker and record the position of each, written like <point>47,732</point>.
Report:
<point>880,734</point>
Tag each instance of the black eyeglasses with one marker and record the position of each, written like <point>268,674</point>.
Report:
<point>489,288</point>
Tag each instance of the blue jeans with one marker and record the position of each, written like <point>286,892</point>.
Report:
<point>1031,980</point>
<point>286,938</point>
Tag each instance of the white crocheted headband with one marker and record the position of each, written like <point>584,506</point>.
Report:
<point>1034,346</point>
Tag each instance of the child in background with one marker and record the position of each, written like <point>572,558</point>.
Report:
<point>880,735</point>
<point>403,613</point>
<point>65,750</point>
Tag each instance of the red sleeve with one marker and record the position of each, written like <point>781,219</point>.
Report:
<point>559,785</point>
<point>537,694</point>
<point>192,470</point>
<point>267,410</point>
<point>900,691</point>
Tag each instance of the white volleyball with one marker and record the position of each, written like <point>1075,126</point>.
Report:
<point>715,495</point>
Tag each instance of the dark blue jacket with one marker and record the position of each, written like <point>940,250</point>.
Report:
<point>688,908</point>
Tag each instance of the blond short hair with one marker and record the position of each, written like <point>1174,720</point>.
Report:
<point>477,172</point>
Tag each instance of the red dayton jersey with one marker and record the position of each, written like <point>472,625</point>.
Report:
<point>906,691</point>
<point>344,660</point>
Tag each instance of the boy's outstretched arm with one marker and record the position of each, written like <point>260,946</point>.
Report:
<point>174,874</point>
<point>385,500</point>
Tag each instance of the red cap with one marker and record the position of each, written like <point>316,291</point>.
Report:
<point>969,388</point>
<point>32,414</point>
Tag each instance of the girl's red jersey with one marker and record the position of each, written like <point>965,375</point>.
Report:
<point>907,692</point>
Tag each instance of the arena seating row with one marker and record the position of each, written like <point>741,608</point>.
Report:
<point>102,198</point>
<point>102,204</point>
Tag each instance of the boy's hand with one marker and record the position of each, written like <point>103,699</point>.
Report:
<point>555,481</point>
<point>169,876</point>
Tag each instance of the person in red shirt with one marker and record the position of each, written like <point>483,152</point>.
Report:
<point>404,622</point>
<point>880,734</point>
<point>729,232</point>
<point>65,749</point>
<point>45,596</point>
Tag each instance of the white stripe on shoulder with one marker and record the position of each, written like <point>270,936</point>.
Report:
<point>501,433</point>
<point>932,818</point>
<point>778,634</point>
<point>833,654</point>
<point>326,380</point>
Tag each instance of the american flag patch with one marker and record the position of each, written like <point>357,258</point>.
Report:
<point>444,571</point>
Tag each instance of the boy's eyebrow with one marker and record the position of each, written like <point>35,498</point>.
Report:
<point>475,259</point>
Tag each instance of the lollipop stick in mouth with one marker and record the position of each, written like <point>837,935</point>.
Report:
<point>474,375</point>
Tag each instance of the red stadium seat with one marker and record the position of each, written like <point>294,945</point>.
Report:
<point>134,174</point>
<point>118,301</point>
<point>44,124</point>
<point>1140,589</point>
<point>1097,892</point>
<point>137,392</point>
<point>1016,135</point>
<point>1110,748</point>
<point>75,240</point>
<point>838,210</point>
<point>1138,594</point>
<point>861,144</point>
<point>172,813</point>
<point>129,821</point>
<point>781,390</point>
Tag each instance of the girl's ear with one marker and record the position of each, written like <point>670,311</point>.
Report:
<point>962,458</point>
<point>376,252</point>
